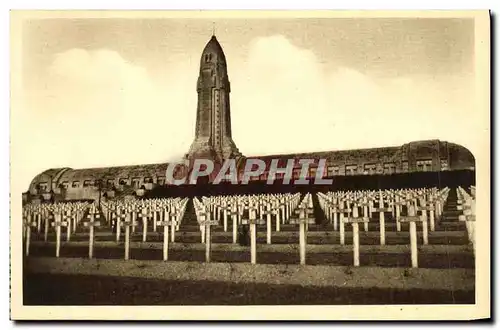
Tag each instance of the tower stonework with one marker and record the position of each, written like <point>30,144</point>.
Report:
<point>213,138</point>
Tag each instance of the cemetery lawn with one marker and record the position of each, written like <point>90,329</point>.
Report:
<point>431,256</point>
<point>78,281</point>
<point>64,289</point>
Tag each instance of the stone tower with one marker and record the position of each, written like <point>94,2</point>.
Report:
<point>213,115</point>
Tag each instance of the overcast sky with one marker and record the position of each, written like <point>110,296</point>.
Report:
<point>104,92</point>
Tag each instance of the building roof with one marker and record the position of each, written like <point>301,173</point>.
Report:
<point>115,172</point>
<point>340,156</point>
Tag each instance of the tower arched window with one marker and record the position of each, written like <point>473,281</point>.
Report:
<point>208,57</point>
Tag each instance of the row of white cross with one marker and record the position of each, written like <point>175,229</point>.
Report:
<point>467,204</point>
<point>161,212</point>
<point>57,215</point>
<point>249,210</point>
<point>151,213</point>
<point>342,207</point>
<point>165,212</point>
<point>168,213</point>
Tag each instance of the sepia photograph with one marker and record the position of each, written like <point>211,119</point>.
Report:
<point>223,165</point>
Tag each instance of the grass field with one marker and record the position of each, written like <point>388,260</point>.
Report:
<point>76,281</point>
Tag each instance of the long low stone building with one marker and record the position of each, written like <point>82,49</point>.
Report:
<point>421,156</point>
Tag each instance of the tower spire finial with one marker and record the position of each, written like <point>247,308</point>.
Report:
<point>213,28</point>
